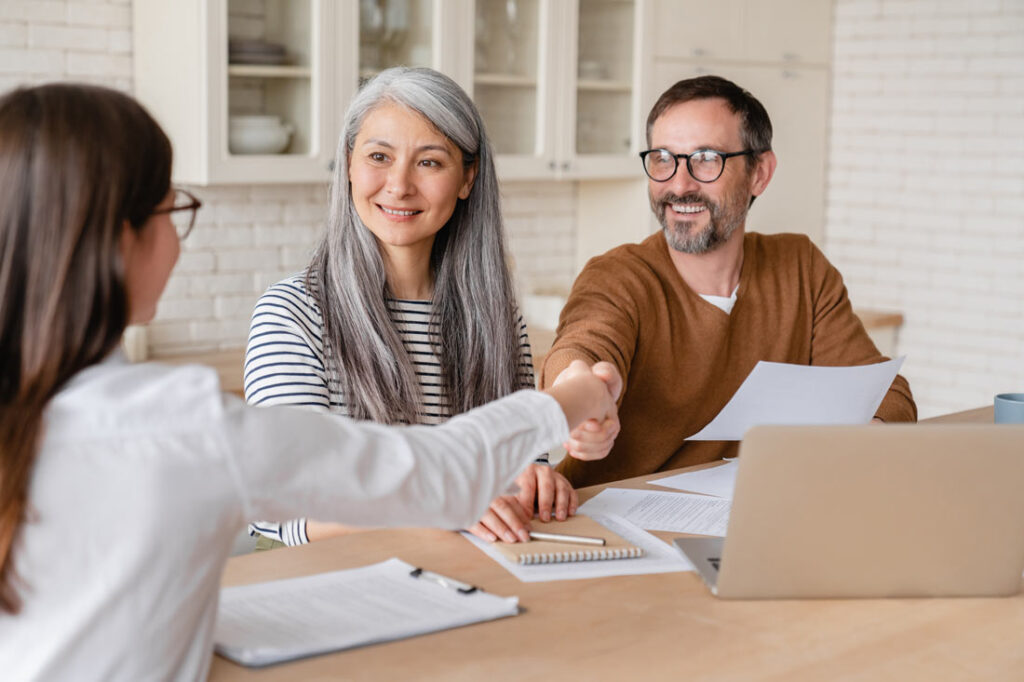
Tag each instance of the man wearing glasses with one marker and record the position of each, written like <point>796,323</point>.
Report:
<point>686,314</point>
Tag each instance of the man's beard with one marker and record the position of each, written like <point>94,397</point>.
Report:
<point>723,220</point>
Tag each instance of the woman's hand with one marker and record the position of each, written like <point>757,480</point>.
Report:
<point>509,515</point>
<point>594,439</point>
<point>506,519</point>
<point>549,490</point>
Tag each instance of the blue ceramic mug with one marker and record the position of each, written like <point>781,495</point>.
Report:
<point>1009,408</point>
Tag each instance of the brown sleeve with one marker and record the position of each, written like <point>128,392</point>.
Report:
<point>599,321</point>
<point>839,339</point>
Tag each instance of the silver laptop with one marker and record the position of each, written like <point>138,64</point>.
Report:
<point>871,511</point>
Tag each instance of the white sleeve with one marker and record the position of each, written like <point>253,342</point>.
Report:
<point>368,474</point>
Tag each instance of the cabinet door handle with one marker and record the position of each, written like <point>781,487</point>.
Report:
<point>699,52</point>
<point>552,165</point>
<point>565,165</point>
<point>331,165</point>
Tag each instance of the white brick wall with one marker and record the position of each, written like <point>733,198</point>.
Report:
<point>248,237</point>
<point>926,186</point>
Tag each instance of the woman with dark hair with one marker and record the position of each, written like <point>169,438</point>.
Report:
<point>96,453</point>
<point>407,313</point>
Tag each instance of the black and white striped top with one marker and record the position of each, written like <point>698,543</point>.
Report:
<point>285,364</point>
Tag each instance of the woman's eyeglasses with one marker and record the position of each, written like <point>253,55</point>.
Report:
<point>183,201</point>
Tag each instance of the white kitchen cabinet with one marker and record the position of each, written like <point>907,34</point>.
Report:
<point>398,33</point>
<point>189,77</point>
<point>558,82</point>
<point>788,31</point>
<point>183,76</point>
<point>691,29</point>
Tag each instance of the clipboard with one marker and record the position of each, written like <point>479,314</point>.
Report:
<point>283,620</point>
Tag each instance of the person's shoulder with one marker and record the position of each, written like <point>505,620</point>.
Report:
<point>629,260</point>
<point>116,396</point>
<point>295,292</point>
<point>295,286</point>
<point>783,248</point>
<point>781,241</point>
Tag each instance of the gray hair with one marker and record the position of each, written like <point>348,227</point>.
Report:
<point>474,308</point>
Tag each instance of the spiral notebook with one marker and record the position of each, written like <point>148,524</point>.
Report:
<point>547,552</point>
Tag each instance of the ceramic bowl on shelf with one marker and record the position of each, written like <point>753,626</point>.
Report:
<point>258,134</point>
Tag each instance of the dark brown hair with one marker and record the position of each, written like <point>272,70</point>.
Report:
<point>755,126</point>
<point>76,163</point>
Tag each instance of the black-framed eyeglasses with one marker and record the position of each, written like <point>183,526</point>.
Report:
<point>183,201</point>
<point>704,165</point>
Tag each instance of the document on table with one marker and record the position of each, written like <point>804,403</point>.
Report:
<point>658,557</point>
<point>779,393</point>
<point>719,481</point>
<point>282,620</point>
<point>656,510</point>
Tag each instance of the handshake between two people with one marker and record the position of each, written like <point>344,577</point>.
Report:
<point>588,396</point>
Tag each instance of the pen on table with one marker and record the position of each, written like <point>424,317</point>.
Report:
<point>560,537</point>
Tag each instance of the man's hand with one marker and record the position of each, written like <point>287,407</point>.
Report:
<point>594,439</point>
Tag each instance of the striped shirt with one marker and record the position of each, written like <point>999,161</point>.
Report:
<point>285,364</point>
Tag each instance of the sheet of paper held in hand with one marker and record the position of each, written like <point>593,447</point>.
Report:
<point>286,619</point>
<point>719,481</point>
<point>779,393</point>
<point>657,510</point>
<point>658,557</point>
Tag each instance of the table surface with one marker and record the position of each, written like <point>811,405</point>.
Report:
<point>653,627</point>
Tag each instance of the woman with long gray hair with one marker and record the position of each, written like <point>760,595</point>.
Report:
<point>407,313</point>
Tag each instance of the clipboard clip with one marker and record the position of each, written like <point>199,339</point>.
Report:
<point>443,581</point>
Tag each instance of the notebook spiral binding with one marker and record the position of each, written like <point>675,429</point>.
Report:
<point>581,555</point>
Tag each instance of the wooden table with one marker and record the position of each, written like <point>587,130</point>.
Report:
<point>651,627</point>
<point>979,415</point>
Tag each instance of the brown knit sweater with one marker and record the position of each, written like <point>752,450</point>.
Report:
<point>682,358</point>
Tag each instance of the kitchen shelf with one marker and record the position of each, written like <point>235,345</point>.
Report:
<point>259,71</point>
<point>504,80</point>
<point>604,85</point>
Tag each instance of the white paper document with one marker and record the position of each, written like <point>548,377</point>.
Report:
<point>719,481</point>
<point>286,619</point>
<point>779,393</point>
<point>658,557</point>
<point>656,510</point>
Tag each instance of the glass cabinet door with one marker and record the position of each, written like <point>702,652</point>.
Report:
<point>604,77</point>
<point>395,33</point>
<point>506,82</point>
<point>271,94</point>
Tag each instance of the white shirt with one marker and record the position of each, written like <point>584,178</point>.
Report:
<point>724,303</point>
<point>114,593</point>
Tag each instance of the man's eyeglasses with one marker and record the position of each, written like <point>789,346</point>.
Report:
<point>704,165</point>
<point>183,201</point>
